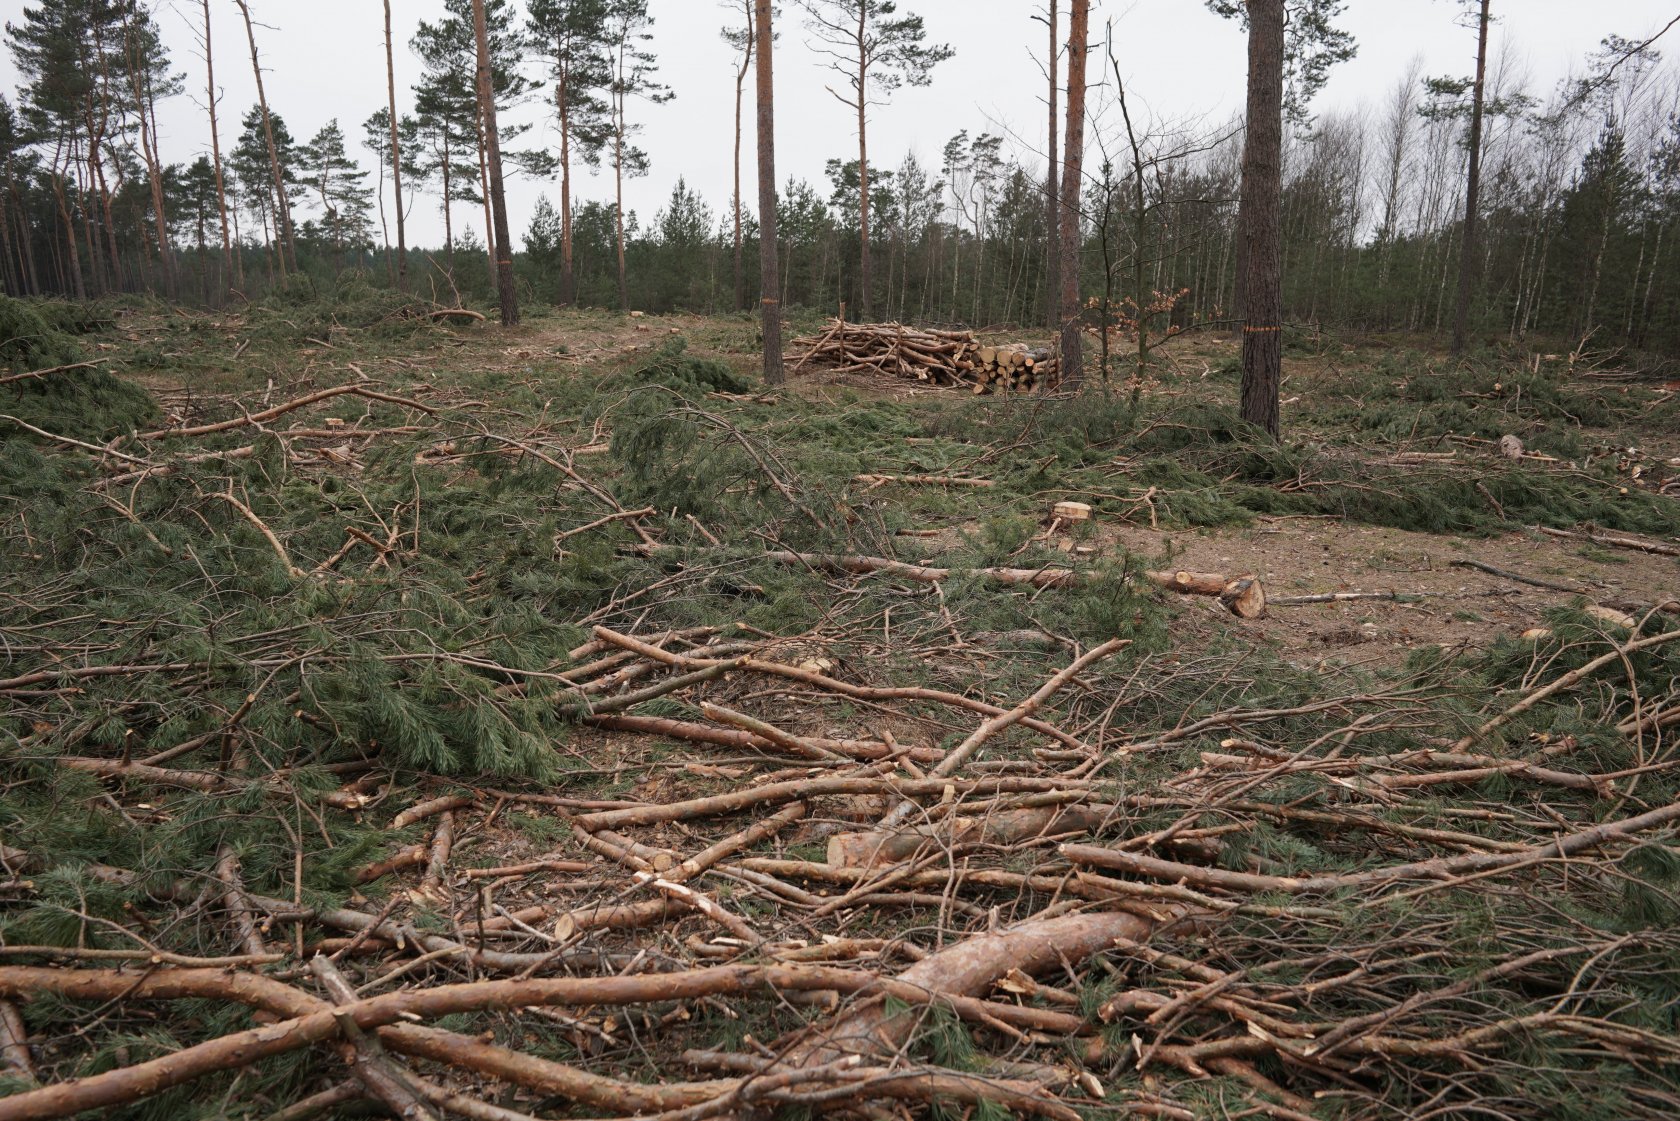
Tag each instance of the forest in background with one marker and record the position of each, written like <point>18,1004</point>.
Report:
<point>1580,190</point>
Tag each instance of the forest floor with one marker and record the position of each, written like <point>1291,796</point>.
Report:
<point>612,737</point>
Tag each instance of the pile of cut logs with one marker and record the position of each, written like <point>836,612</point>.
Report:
<point>1013,367</point>
<point>945,358</point>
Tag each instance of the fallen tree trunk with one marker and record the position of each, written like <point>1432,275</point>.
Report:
<point>966,969</point>
<point>972,967</point>
<point>1243,596</point>
<point>1438,868</point>
<point>886,846</point>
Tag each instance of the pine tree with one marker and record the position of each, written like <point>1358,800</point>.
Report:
<point>447,97</point>
<point>877,51</point>
<point>570,35</point>
<point>1069,231</point>
<point>339,185</point>
<point>775,373</point>
<point>260,148</point>
<point>502,246</point>
<point>278,173</point>
<point>1472,189</point>
<point>394,128</point>
<point>232,266</point>
<point>1289,59</point>
<point>445,142</point>
<point>376,138</point>
<point>743,39</point>
<point>64,49</point>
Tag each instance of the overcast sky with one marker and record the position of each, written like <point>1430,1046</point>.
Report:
<point>325,59</point>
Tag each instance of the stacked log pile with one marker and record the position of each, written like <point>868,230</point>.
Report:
<point>942,358</point>
<point>1014,367</point>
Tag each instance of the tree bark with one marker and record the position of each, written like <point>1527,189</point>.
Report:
<point>740,91</point>
<point>863,163</point>
<point>769,265</point>
<point>396,154</point>
<point>448,206</point>
<point>568,274</point>
<point>618,208</point>
<point>1073,356</point>
<point>1052,244</point>
<point>288,245</point>
<point>1259,216</point>
<point>148,151</point>
<point>77,284</point>
<point>484,196</point>
<point>1472,191</point>
<point>216,150</point>
<point>493,154</point>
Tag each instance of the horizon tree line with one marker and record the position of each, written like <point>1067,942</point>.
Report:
<point>1469,207</point>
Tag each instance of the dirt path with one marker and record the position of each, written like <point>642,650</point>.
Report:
<point>1458,605</point>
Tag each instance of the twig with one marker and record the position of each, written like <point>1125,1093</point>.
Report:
<point>280,410</point>
<point>1615,540</point>
<point>1519,577</point>
<point>10,378</point>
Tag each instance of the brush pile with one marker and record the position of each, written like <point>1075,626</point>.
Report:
<point>943,358</point>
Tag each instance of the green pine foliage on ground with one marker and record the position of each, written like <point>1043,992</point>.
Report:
<point>439,650</point>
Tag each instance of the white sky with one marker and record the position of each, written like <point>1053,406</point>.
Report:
<point>325,58</point>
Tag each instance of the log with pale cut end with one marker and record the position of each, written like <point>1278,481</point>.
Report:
<point>1072,511</point>
<point>1243,596</point>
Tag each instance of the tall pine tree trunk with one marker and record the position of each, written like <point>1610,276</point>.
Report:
<point>448,205</point>
<point>1052,243</point>
<point>1259,217</point>
<point>216,151</point>
<point>568,272</point>
<point>283,210</point>
<point>740,90</point>
<point>143,103</point>
<point>396,156</point>
<point>75,268</point>
<point>13,273</point>
<point>618,205</point>
<point>493,154</point>
<point>863,166</point>
<point>484,197</point>
<point>768,264</point>
<point>1073,150</point>
<point>1467,261</point>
